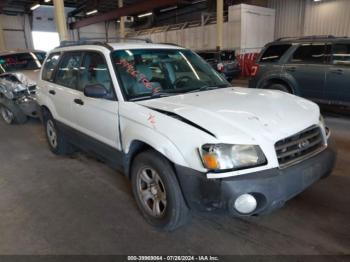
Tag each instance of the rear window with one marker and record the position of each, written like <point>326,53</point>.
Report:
<point>274,53</point>
<point>227,55</point>
<point>21,61</point>
<point>310,53</point>
<point>208,56</point>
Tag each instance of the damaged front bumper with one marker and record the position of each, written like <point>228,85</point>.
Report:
<point>271,188</point>
<point>28,105</point>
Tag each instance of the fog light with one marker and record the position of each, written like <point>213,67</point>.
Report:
<point>245,204</point>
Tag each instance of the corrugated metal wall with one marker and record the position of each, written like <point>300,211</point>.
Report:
<point>288,17</point>
<point>247,30</point>
<point>17,32</point>
<point>306,17</point>
<point>198,38</point>
<point>328,18</point>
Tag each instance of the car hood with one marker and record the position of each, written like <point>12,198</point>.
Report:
<point>234,112</point>
<point>28,77</point>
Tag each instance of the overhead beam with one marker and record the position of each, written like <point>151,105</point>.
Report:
<point>140,7</point>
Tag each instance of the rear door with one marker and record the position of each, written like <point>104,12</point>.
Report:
<point>63,87</point>
<point>338,74</point>
<point>308,68</point>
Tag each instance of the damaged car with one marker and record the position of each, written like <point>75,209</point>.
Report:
<point>185,138</point>
<point>18,76</point>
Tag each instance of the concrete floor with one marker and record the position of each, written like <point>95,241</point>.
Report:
<point>61,205</point>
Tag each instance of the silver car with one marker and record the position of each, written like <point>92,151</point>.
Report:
<point>19,71</point>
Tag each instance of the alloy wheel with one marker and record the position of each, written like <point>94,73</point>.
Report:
<point>51,133</point>
<point>151,191</point>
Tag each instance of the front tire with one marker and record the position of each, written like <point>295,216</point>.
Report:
<point>280,87</point>
<point>157,192</point>
<point>58,143</point>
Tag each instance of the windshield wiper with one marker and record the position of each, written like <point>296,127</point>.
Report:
<point>205,88</point>
<point>154,95</point>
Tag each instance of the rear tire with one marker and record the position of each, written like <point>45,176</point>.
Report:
<point>280,87</point>
<point>157,192</point>
<point>11,113</point>
<point>58,143</point>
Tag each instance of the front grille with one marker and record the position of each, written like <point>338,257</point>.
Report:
<point>299,146</point>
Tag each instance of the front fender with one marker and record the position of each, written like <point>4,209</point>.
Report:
<point>132,131</point>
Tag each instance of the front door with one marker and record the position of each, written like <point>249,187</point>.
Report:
<point>96,117</point>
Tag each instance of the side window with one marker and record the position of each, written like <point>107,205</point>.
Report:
<point>68,70</point>
<point>341,54</point>
<point>274,53</point>
<point>310,53</point>
<point>94,70</point>
<point>50,66</point>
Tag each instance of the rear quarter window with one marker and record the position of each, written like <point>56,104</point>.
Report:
<point>50,66</point>
<point>274,53</point>
<point>341,54</point>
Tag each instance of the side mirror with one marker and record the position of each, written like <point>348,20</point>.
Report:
<point>95,91</point>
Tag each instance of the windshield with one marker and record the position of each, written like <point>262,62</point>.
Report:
<point>149,73</point>
<point>21,61</point>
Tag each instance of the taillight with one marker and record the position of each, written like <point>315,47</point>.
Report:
<point>220,67</point>
<point>254,70</point>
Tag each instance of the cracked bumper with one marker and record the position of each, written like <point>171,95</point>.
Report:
<point>272,187</point>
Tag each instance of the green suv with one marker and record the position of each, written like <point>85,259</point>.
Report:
<point>314,67</point>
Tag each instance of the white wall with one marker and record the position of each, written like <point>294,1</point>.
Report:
<point>17,32</point>
<point>256,26</point>
<point>306,17</point>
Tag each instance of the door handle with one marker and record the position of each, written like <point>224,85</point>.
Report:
<point>52,92</point>
<point>291,69</point>
<point>79,101</point>
<point>337,71</point>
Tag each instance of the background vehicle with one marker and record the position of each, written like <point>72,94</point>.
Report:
<point>315,67</point>
<point>179,131</point>
<point>19,72</point>
<point>224,62</point>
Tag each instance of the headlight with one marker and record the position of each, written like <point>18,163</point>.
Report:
<point>323,125</point>
<point>322,121</point>
<point>225,156</point>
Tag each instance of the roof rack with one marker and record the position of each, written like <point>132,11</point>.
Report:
<point>285,38</point>
<point>311,37</point>
<point>317,37</point>
<point>84,42</point>
<point>167,43</point>
<point>97,41</point>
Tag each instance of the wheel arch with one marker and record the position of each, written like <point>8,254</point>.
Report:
<point>281,81</point>
<point>136,147</point>
<point>44,111</point>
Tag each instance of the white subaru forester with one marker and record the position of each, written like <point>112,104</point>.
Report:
<point>183,135</point>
